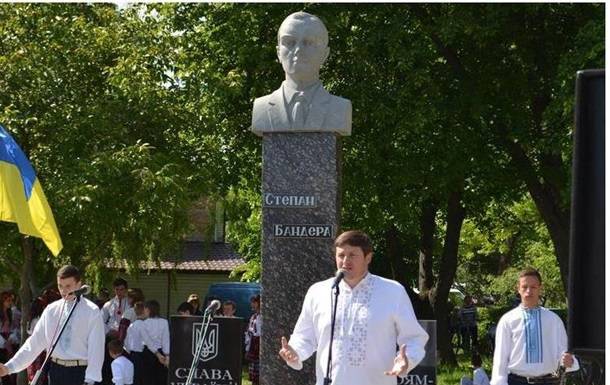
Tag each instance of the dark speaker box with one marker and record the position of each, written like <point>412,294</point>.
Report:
<point>586,288</point>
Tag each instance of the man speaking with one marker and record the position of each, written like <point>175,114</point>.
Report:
<point>374,316</point>
<point>79,354</point>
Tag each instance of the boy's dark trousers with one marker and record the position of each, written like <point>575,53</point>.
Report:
<point>66,375</point>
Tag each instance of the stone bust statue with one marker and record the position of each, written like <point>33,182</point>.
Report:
<point>301,104</point>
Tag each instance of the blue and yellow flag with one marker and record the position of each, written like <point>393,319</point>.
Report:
<point>21,197</point>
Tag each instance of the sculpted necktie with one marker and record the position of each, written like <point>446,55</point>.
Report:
<point>298,110</point>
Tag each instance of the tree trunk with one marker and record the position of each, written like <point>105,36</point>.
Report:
<point>427,230</point>
<point>423,306</point>
<point>505,259</point>
<point>446,276</point>
<point>27,245</point>
<point>547,200</point>
<point>445,350</point>
<point>544,187</point>
<point>392,245</point>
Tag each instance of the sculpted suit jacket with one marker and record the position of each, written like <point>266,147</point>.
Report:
<point>327,113</point>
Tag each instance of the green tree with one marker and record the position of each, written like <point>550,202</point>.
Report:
<point>88,97</point>
<point>430,86</point>
<point>502,242</point>
<point>460,112</point>
<point>515,65</point>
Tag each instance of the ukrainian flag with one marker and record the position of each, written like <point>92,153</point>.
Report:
<point>21,197</point>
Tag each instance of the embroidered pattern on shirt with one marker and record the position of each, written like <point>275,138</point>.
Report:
<point>352,322</point>
<point>533,335</point>
<point>66,336</point>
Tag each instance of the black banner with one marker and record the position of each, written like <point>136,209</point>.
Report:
<point>587,272</point>
<point>425,372</point>
<point>219,361</point>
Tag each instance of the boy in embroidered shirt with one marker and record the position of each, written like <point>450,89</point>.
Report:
<point>531,341</point>
<point>122,368</point>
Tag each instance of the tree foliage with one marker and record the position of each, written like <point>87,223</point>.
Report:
<point>458,166</point>
<point>86,98</point>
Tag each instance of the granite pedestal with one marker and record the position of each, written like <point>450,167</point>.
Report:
<point>301,205</point>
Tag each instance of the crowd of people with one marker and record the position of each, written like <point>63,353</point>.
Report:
<point>10,332</point>
<point>133,340</point>
<point>124,340</point>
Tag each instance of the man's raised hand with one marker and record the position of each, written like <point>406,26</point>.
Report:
<point>567,360</point>
<point>287,353</point>
<point>401,363</point>
<point>3,370</point>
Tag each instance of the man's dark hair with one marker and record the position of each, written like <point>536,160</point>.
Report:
<point>119,282</point>
<point>68,271</point>
<point>115,346</point>
<point>185,306</point>
<point>153,308</point>
<point>231,303</point>
<point>530,272</point>
<point>355,238</point>
<point>256,298</point>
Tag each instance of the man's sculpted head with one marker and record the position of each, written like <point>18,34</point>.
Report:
<point>301,103</point>
<point>302,47</point>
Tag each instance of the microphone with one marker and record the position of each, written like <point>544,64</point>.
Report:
<point>338,277</point>
<point>84,290</point>
<point>212,307</point>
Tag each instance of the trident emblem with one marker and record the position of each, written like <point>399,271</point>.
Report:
<point>209,350</point>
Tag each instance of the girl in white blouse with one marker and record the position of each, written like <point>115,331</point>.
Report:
<point>134,343</point>
<point>155,335</point>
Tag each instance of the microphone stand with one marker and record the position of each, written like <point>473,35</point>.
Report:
<point>561,372</point>
<point>63,327</point>
<point>327,379</point>
<point>207,318</point>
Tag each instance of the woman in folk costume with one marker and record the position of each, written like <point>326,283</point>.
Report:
<point>253,338</point>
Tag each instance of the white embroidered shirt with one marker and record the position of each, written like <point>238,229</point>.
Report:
<point>83,338</point>
<point>373,319</point>
<point>529,343</point>
<point>113,311</point>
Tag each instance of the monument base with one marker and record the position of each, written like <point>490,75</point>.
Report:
<point>300,221</point>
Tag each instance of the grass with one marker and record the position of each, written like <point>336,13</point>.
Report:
<point>444,375</point>
<point>451,375</point>
<point>244,376</point>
